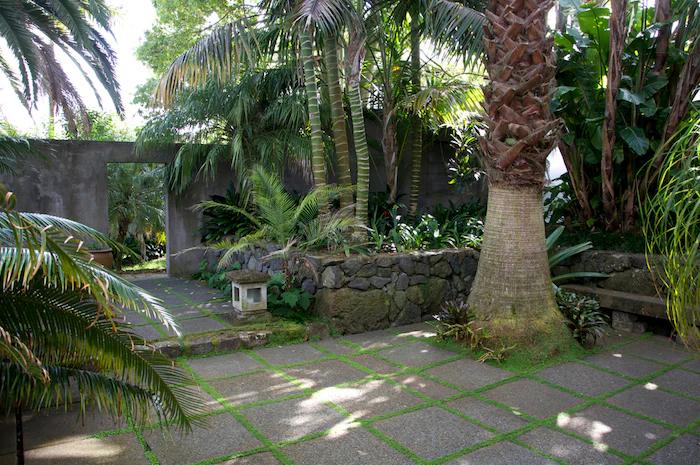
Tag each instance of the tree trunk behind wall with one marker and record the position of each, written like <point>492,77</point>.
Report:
<point>512,295</point>
<point>318,159</point>
<point>340,136</point>
<point>416,124</point>
<point>356,56</point>
<point>617,44</point>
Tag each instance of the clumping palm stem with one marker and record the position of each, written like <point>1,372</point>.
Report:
<point>318,159</point>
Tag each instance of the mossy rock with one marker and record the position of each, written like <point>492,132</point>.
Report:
<point>353,311</point>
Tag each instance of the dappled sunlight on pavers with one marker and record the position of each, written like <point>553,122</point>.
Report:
<point>612,428</point>
<point>395,397</point>
<point>113,450</point>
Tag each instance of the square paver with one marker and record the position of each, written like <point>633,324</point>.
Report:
<point>625,364</point>
<point>334,346</point>
<point>373,363</point>
<point>222,435</point>
<point>369,399</point>
<point>265,458</point>
<point>582,379</point>
<point>503,453</point>
<point>658,349</point>
<point>681,451</point>
<point>290,354</point>
<point>220,366</point>
<point>570,450</point>
<point>418,330</point>
<point>533,398</point>
<point>148,332</point>
<point>375,339</point>
<point>293,419</point>
<point>185,312</point>
<point>255,387</point>
<point>490,415</point>
<point>112,450</point>
<point>325,374</point>
<point>615,429</point>
<point>682,381</point>
<point>416,355</point>
<point>468,374</point>
<point>54,427</point>
<point>200,325</point>
<point>426,386</point>
<point>432,432</point>
<point>649,401</point>
<point>693,365</point>
<point>355,447</point>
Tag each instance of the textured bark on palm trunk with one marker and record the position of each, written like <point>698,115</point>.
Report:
<point>416,125</point>
<point>512,294</point>
<point>318,159</point>
<point>340,136</point>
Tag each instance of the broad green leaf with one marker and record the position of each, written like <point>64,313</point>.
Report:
<point>563,90</point>
<point>290,298</point>
<point>629,96</point>
<point>648,109</point>
<point>654,84</point>
<point>635,139</point>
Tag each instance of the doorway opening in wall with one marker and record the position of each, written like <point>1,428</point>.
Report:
<point>137,204</point>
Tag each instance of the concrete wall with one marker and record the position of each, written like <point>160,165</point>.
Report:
<point>70,180</point>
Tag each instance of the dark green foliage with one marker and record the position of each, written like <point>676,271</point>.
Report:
<point>258,119</point>
<point>645,103</point>
<point>216,279</point>
<point>584,318</point>
<point>453,227</point>
<point>286,300</point>
<point>456,321</point>
<point>558,255</point>
<point>219,224</point>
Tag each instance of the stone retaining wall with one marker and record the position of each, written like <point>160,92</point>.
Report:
<point>628,272</point>
<point>363,293</point>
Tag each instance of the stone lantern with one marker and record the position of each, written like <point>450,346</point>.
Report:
<point>249,293</point>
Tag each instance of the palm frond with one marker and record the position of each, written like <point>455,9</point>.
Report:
<point>456,27</point>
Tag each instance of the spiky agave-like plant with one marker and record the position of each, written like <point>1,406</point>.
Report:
<point>60,337</point>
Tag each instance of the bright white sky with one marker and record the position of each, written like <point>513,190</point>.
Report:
<point>132,19</point>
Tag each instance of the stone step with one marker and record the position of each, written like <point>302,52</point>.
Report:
<point>627,302</point>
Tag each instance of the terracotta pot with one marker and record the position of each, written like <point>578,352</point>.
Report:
<point>104,257</point>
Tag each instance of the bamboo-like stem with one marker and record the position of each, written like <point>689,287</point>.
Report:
<point>340,136</point>
<point>362,153</point>
<point>318,159</point>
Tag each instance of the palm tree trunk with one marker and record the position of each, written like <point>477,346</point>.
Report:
<point>318,159</point>
<point>416,124</point>
<point>512,296</point>
<point>617,43</point>
<point>19,435</point>
<point>512,291</point>
<point>340,134</point>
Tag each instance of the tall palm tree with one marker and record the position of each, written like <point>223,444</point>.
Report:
<point>512,292</point>
<point>33,29</point>
<point>60,329</point>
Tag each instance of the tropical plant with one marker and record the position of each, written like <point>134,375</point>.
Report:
<point>136,200</point>
<point>287,300</point>
<point>218,224</point>
<point>584,318</point>
<point>33,30</point>
<point>456,321</point>
<point>512,293</point>
<point>260,118</point>
<point>671,227</point>
<point>280,220</point>
<point>61,339</point>
<point>216,279</point>
<point>559,255</point>
<point>626,81</point>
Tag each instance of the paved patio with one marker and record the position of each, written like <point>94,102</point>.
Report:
<point>196,307</point>
<point>393,398</point>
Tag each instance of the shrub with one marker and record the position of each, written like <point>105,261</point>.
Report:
<point>286,300</point>
<point>583,315</point>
